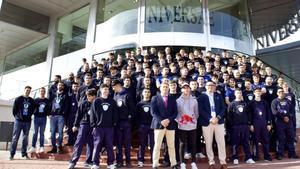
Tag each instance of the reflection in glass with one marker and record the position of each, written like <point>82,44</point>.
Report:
<point>229,18</point>
<point>72,31</point>
<point>174,16</point>
<point>30,55</point>
<point>116,18</point>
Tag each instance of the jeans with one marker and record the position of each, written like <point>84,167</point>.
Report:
<point>57,123</point>
<point>39,126</point>
<point>18,127</point>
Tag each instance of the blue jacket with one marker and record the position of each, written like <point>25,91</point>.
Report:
<point>159,112</point>
<point>205,109</point>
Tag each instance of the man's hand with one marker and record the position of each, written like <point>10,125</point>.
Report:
<point>165,122</point>
<point>269,127</point>
<point>252,128</point>
<point>286,119</point>
<point>214,120</point>
<point>74,129</point>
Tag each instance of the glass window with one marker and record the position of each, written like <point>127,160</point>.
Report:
<point>174,16</point>
<point>30,55</point>
<point>72,31</point>
<point>229,18</point>
<point>116,18</point>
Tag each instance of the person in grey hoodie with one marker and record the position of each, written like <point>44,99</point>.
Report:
<point>187,117</point>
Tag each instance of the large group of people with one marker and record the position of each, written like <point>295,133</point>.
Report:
<point>183,103</point>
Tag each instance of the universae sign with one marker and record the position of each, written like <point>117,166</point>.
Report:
<point>280,34</point>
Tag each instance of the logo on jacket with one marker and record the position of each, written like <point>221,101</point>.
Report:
<point>105,107</point>
<point>240,109</point>
<point>271,91</point>
<point>146,109</point>
<point>120,103</point>
<point>250,97</point>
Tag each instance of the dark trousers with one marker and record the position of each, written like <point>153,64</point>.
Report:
<point>39,127</point>
<point>123,136</point>
<point>84,137</point>
<point>71,135</point>
<point>261,134</point>
<point>199,139</point>
<point>187,138</point>
<point>285,136</point>
<point>103,136</point>
<point>240,135</point>
<point>144,133</point>
<point>18,127</point>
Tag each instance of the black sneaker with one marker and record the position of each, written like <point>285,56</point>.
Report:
<point>294,157</point>
<point>268,159</point>
<point>119,165</point>
<point>60,150</point>
<point>279,157</point>
<point>54,150</point>
<point>175,167</point>
<point>11,157</point>
<point>25,156</point>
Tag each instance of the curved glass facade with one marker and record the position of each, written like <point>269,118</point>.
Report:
<point>203,23</point>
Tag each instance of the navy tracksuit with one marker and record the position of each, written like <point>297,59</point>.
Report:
<point>104,117</point>
<point>291,97</point>
<point>125,104</point>
<point>144,119</point>
<point>238,119</point>
<point>260,117</point>
<point>285,133</point>
<point>73,107</point>
<point>84,136</point>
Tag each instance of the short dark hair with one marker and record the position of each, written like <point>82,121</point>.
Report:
<point>91,92</point>
<point>28,87</point>
<point>104,86</point>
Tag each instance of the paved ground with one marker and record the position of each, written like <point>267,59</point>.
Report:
<point>20,163</point>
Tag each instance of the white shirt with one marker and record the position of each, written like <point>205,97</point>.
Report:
<point>212,104</point>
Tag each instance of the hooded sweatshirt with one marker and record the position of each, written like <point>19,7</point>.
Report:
<point>187,113</point>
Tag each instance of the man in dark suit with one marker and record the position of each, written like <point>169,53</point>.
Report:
<point>211,117</point>
<point>164,112</point>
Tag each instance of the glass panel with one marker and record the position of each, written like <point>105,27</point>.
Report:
<point>116,18</point>
<point>174,16</point>
<point>30,55</point>
<point>229,18</point>
<point>72,31</point>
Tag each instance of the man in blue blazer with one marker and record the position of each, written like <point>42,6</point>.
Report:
<point>211,117</point>
<point>164,112</point>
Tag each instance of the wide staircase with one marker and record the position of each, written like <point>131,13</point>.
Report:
<point>69,149</point>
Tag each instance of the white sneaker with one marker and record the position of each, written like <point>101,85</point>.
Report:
<point>31,150</point>
<point>95,167</point>
<point>194,166</point>
<point>250,161</point>
<point>182,166</point>
<point>112,166</point>
<point>200,155</point>
<point>71,166</point>
<point>236,162</point>
<point>41,150</point>
<point>187,156</point>
<point>140,164</point>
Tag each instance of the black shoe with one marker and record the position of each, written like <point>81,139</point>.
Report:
<point>279,157</point>
<point>11,157</point>
<point>154,167</point>
<point>294,157</point>
<point>165,164</point>
<point>128,165</point>
<point>119,165</point>
<point>60,150</point>
<point>54,150</point>
<point>25,156</point>
<point>268,159</point>
<point>255,158</point>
